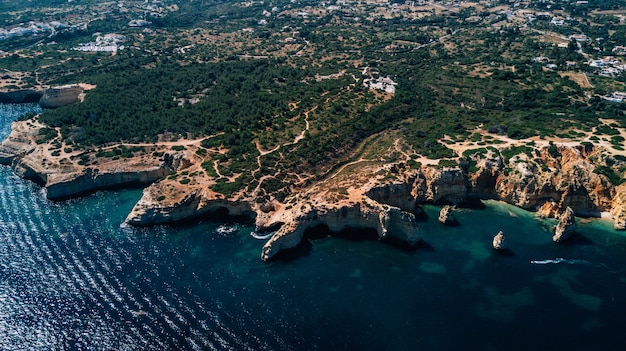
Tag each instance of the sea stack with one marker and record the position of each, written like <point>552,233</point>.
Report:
<point>446,216</point>
<point>499,242</point>
<point>566,227</point>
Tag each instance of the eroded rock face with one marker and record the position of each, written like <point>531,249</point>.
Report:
<point>23,96</point>
<point>151,210</point>
<point>389,222</point>
<point>567,179</point>
<point>499,242</point>
<point>65,178</point>
<point>566,227</point>
<point>441,186</point>
<point>63,187</point>
<point>618,209</point>
<point>483,181</point>
<point>395,194</point>
<point>549,209</point>
<point>60,96</point>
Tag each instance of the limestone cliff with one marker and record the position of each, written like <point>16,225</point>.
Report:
<point>564,176</point>
<point>618,208</point>
<point>63,186</point>
<point>23,96</point>
<point>60,96</point>
<point>67,174</point>
<point>389,222</point>
<point>384,196</point>
<point>151,209</point>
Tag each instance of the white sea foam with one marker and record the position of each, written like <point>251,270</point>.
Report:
<point>261,237</point>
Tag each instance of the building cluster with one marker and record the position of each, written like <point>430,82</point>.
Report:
<point>104,43</point>
<point>616,96</point>
<point>608,66</point>
<point>385,84</point>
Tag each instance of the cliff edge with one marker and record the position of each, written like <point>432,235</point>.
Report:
<point>380,195</point>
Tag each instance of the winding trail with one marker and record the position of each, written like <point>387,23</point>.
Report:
<point>295,141</point>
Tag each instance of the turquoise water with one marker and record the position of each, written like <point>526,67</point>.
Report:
<point>72,279</point>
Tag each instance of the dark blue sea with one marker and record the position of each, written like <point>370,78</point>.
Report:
<point>71,278</point>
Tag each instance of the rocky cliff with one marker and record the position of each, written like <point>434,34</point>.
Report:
<point>67,175</point>
<point>151,209</point>
<point>63,186</point>
<point>386,197</point>
<point>60,96</point>
<point>391,223</point>
<point>565,176</point>
<point>618,207</point>
<point>24,96</point>
<point>381,196</point>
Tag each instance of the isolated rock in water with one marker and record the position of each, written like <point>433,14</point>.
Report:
<point>446,216</point>
<point>499,242</point>
<point>566,227</point>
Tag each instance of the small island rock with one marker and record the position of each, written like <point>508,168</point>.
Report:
<point>446,216</point>
<point>499,242</point>
<point>566,227</point>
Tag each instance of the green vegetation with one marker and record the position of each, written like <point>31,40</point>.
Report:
<point>615,178</point>
<point>46,134</point>
<point>210,70</point>
<point>508,153</point>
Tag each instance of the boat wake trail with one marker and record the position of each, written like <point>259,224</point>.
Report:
<point>559,260</point>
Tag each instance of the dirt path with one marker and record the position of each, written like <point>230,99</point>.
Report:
<point>262,152</point>
<point>505,141</point>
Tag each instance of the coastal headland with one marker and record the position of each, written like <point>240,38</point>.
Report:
<point>379,194</point>
<point>304,114</point>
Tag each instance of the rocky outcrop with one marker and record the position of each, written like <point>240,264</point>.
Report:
<point>565,176</point>
<point>60,187</point>
<point>150,210</point>
<point>380,197</point>
<point>499,242</point>
<point>446,216</point>
<point>389,222</point>
<point>441,186</point>
<point>397,194</point>
<point>24,96</point>
<point>60,96</point>
<point>566,227</point>
<point>618,208</point>
<point>64,177</point>
<point>549,209</point>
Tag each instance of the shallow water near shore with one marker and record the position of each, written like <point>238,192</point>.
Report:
<point>71,278</point>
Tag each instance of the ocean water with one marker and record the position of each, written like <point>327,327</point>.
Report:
<point>71,278</point>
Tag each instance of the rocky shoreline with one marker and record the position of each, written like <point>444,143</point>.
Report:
<point>384,197</point>
<point>65,177</point>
